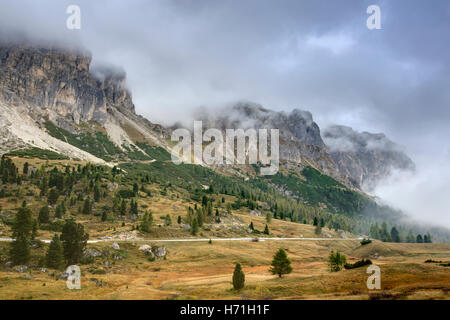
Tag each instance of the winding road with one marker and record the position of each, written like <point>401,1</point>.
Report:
<point>207,239</point>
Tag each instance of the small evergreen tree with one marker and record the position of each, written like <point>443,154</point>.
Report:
<point>179,220</point>
<point>238,277</point>
<point>53,196</point>
<point>96,193</point>
<point>281,263</point>
<point>268,217</point>
<point>147,221</point>
<point>104,216</point>
<point>251,226</point>
<point>123,207</point>
<point>336,261</point>
<point>316,222</point>
<point>74,241</point>
<point>266,230</point>
<point>22,232</point>
<point>44,215</point>
<point>55,255</point>
<point>194,226</point>
<point>395,235</point>
<point>87,207</point>
<point>419,239</point>
<point>25,168</point>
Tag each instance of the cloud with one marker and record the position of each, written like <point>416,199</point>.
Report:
<point>313,55</point>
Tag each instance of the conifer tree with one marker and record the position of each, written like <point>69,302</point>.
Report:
<point>74,241</point>
<point>147,221</point>
<point>55,255</point>
<point>22,233</point>
<point>238,277</point>
<point>53,196</point>
<point>266,230</point>
<point>96,193</point>
<point>419,239</point>
<point>268,217</point>
<point>281,264</point>
<point>87,207</point>
<point>44,215</point>
<point>194,226</point>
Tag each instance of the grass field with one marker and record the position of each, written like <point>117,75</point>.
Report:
<point>203,271</point>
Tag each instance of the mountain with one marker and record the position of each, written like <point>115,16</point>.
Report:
<point>51,99</point>
<point>355,159</point>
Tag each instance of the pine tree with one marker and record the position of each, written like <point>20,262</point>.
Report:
<point>179,220</point>
<point>104,216</point>
<point>194,226</point>
<point>395,236</point>
<point>419,239</point>
<point>167,220</point>
<point>25,168</point>
<point>316,222</point>
<point>53,196</point>
<point>74,241</point>
<point>147,221</point>
<point>281,263</point>
<point>22,233</point>
<point>55,255</point>
<point>96,193</point>
<point>123,207</point>
<point>336,261</point>
<point>251,226</point>
<point>238,277</point>
<point>44,186</point>
<point>266,230</point>
<point>87,208</point>
<point>44,216</point>
<point>268,217</point>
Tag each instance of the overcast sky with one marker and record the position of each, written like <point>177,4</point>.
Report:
<point>313,55</point>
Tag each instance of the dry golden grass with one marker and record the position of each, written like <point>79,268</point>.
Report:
<point>203,271</point>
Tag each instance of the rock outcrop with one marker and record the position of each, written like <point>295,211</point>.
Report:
<point>366,158</point>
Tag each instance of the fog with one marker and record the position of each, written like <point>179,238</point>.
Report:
<point>312,55</point>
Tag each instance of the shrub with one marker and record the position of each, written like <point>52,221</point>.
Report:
<point>357,264</point>
<point>336,261</point>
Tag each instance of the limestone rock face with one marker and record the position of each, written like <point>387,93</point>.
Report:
<point>365,157</point>
<point>61,81</point>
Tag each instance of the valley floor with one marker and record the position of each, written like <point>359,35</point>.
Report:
<point>199,270</point>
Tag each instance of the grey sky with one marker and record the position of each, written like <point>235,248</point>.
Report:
<point>314,55</point>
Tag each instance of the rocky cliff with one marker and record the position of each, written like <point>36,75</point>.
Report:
<point>365,157</point>
<point>50,84</point>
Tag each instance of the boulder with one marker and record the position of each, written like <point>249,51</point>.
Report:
<point>21,269</point>
<point>115,246</point>
<point>159,252</point>
<point>63,276</point>
<point>92,253</point>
